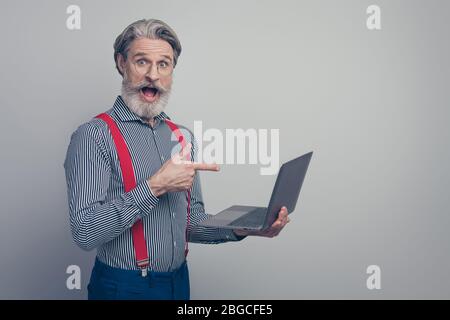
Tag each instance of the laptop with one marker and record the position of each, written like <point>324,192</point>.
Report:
<point>285,193</point>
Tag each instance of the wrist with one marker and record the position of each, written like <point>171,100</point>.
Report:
<point>156,186</point>
<point>240,233</point>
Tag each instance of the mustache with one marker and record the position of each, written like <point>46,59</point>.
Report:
<point>145,83</point>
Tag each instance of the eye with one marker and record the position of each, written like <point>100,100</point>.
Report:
<point>163,64</point>
<point>141,62</point>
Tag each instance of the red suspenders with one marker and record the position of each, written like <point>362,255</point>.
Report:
<point>182,141</point>
<point>129,181</point>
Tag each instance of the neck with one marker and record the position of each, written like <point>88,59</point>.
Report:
<point>151,122</point>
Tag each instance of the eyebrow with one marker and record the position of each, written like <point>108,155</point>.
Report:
<point>144,54</point>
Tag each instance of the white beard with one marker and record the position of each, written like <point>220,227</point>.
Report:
<point>146,110</point>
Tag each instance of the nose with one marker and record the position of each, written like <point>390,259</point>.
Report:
<point>152,73</point>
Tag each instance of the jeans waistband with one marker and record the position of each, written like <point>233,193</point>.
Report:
<point>129,275</point>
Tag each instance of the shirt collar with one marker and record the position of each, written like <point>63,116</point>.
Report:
<point>125,114</point>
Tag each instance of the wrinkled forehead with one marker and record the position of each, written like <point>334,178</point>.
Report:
<point>153,48</point>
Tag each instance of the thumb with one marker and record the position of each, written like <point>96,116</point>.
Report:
<point>185,152</point>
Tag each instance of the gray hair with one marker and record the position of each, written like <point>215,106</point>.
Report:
<point>146,28</point>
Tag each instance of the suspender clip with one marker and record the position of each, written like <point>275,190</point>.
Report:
<point>144,272</point>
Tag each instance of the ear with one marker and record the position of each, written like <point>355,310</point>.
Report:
<point>121,63</point>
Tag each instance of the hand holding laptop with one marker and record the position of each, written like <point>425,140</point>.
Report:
<point>266,221</point>
<point>270,232</point>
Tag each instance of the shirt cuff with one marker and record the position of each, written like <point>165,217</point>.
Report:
<point>143,197</point>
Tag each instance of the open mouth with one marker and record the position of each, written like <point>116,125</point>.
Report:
<point>150,93</point>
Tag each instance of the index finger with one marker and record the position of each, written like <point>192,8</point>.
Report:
<point>205,166</point>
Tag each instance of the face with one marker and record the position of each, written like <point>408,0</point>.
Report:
<point>147,76</point>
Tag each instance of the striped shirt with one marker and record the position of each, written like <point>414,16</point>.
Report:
<point>101,213</point>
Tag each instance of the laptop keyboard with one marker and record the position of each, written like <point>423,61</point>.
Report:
<point>254,218</point>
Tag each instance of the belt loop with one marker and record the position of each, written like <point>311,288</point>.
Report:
<point>150,279</point>
<point>100,268</point>
<point>172,282</point>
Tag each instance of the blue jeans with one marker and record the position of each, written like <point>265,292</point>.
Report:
<point>108,283</point>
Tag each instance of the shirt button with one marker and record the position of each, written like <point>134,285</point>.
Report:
<point>174,243</point>
<point>173,214</point>
<point>162,158</point>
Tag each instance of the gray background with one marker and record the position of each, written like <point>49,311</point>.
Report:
<point>372,105</point>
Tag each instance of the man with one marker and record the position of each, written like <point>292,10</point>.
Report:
<point>129,197</point>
